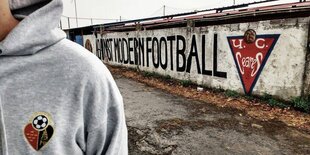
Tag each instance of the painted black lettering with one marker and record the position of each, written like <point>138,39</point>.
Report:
<point>171,39</point>
<point>216,73</point>
<point>204,71</point>
<point>135,50</point>
<point>109,49</point>
<point>125,47</point>
<point>121,55</point>
<point>193,53</point>
<point>98,48</point>
<point>163,44</point>
<point>116,50</point>
<point>141,51</point>
<point>104,49</point>
<point>155,52</point>
<point>130,49</point>
<point>181,52</point>
<point>148,50</point>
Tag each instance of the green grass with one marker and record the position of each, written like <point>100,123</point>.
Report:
<point>231,93</point>
<point>250,97</point>
<point>186,83</point>
<point>147,74</point>
<point>301,103</point>
<point>276,103</point>
<point>266,97</point>
<point>156,75</point>
<point>167,77</point>
<point>150,74</point>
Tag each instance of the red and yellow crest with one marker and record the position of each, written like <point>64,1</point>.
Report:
<point>39,130</point>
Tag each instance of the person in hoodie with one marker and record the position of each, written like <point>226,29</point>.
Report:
<point>55,96</point>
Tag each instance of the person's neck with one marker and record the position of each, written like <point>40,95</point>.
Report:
<point>7,20</point>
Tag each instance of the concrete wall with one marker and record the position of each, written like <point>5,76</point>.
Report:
<point>218,56</point>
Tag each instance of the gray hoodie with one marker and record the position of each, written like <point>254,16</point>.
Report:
<point>55,97</point>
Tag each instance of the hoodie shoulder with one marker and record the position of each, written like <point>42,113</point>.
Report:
<point>77,60</point>
<point>102,101</point>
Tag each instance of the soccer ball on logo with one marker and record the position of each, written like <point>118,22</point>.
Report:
<point>40,122</point>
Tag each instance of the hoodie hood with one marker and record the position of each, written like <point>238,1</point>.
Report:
<point>37,29</point>
<point>19,4</point>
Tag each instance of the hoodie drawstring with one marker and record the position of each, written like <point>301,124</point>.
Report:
<point>3,146</point>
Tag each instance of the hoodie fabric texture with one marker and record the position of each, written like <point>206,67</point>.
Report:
<point>55,96</point>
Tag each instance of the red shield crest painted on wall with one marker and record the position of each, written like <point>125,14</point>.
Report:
<point>250,58</point>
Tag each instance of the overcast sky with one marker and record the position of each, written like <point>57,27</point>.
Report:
<point>135,9</point>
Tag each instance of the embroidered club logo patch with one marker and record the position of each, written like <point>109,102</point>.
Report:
<point>250,56</point>
<point>39,130</point>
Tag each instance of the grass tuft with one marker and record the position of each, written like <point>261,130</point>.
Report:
<point>186,83</point>
<point>301,103</point>
<point>232,93</point>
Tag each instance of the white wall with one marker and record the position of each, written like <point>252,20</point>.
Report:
<point>282,74</point>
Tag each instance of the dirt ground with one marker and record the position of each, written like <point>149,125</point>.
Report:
<point>253,107</point>
<point>165,118</point>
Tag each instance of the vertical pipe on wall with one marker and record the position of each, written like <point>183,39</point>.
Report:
<point>60,24</point>
<point>164,10</point>
<point>76,16</point>
<point>306,77</point>
<point>68,23</point>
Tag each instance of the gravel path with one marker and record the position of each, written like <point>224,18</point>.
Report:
<point>161,123</point>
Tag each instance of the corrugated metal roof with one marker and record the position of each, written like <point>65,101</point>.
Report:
<point>256,10</point>
<point>211,17</point>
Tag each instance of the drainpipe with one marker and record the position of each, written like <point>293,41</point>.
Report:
<point>306,77</point>
<point>76,16</point>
